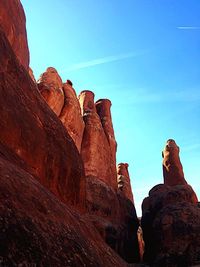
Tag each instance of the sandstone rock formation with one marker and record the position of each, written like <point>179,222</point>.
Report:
<point>51,214</point>
<point>172,167</point>
<point>170,220</point>
<point>13,23</point>
<point>95,149</point>
<point>71,115</point>
<point>86,100</point>
<point>115,218</point>
<point>50,86</point>
<point>37,230</point>
<point>33,131</point>
<point>30,71</point>
<point>103,110</point>
<point>171,217</point>
<point>124,183</point>
<point>112,214</point>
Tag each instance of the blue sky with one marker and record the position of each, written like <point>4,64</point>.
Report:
<point>144,55</point>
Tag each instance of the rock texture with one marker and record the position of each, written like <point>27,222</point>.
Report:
<point>103,110</point>
<point>50,87</point>
<point>38,230</point>
<point>123,179</point>
<point>13,23</point>
<point>47,217</point>
<point>35,134</point>
<point>171,223</point>
<point>172,167</point>
<point>71,115</point>
<point>115,218</point>
<point>171,217</point>
<point>95,149</point>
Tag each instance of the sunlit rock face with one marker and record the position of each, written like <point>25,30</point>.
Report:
<point>30,71</point>
<point>172,167</point>
<point>13,23</point>
<point>30,129</point>
<point>71,115</point>
<point>123,180</point>
<point>50,87</point>
<point>171,217</point>
<point>103,110</point>
<point>95,149</point>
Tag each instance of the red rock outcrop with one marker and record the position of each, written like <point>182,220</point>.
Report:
<point>30,71</point>
<point>38,157</point>
<point>71,115</point>
<point>112,213</point>
<point>171,217</point>
<point>13,23</point>
<point>95,149</point>
<point>115,218</point>
<point>50,87</point>
<point>172,167</point>
<point>86,100</point>
<point>33,131</point>
<point>38,230</point>
<point>123,178</point>
<point>103,110</point>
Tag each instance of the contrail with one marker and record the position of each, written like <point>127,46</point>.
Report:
<point>103,60</point>
<point>188,28</point>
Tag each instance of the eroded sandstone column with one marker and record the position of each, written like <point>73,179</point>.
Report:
<point>95,148</point>
<point>123,179</point>
<point>50,87</point>
<point>103,109</point>
<point>172,167</point>
<point>86,100</point>
<point>71,114</point>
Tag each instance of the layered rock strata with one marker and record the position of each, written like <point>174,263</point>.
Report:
<point>123,179</point>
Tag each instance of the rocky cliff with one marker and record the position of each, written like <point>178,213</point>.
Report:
<point>60,205</point>
<point>13,23</point>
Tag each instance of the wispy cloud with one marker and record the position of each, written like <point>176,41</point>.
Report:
<point>188,28</point>
<point>102,60</point>
<point>148,96</point>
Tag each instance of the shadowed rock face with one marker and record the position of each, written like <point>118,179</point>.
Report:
<point>50,87</point>
<point>38,230</point>
<point>115,218</point>
<point>71,115</point>
<point>35,134</point>
<point>171,217</point>
<point>95,149</point>
<point>172,167</point>
<point>13,23</point>
<point>123,179</point>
